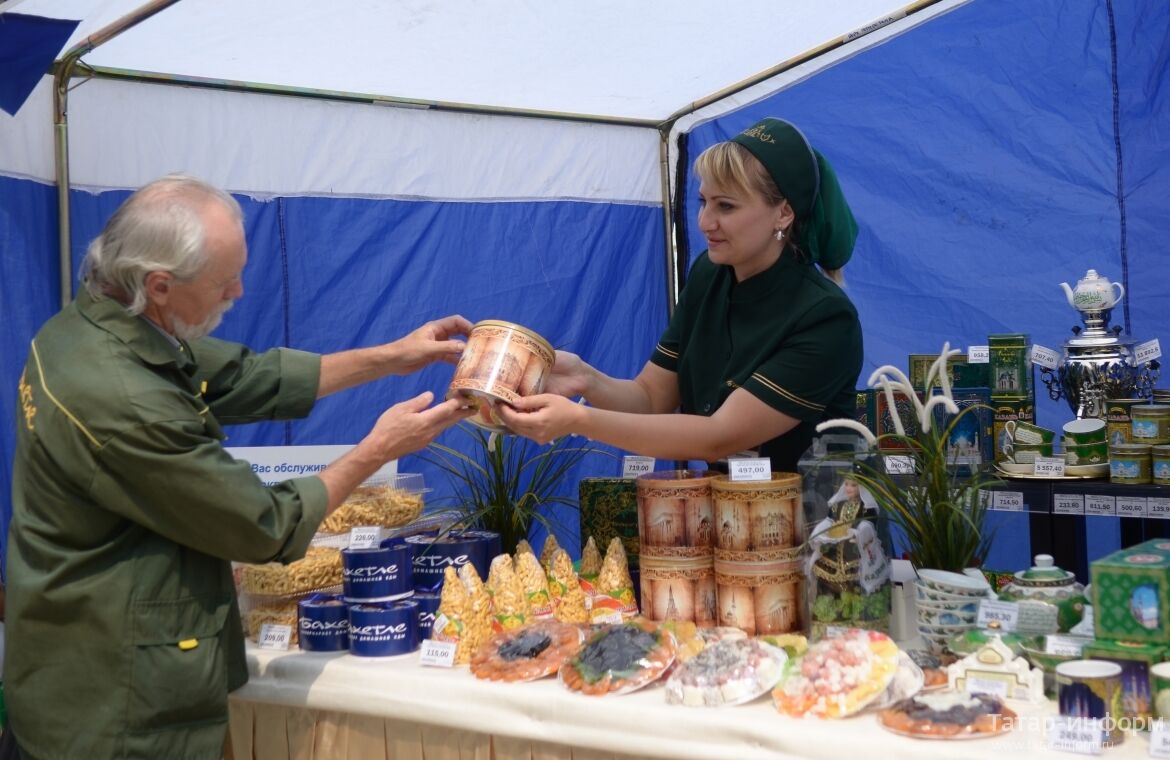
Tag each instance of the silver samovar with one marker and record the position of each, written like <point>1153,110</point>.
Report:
<point>1097,364</point>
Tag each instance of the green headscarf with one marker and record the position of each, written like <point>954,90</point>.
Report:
<point>827,227</point>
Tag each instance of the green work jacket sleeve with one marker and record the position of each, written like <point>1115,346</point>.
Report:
<point>243,386</point>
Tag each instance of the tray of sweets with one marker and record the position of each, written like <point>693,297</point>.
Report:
<point>838,676</point>
<point>728,672</point>
<point>525,654</point>
<point>617,659</point>
<point>948,715</point>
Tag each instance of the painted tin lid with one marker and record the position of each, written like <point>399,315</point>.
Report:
<point>535,336</point>
<point>1044,574</point>
<point>1150,410</point>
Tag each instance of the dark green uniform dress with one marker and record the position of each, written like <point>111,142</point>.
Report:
<point>789,336</point>
<point>123,632</point>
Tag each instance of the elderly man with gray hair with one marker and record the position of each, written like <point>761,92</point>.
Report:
<point>124,635</point>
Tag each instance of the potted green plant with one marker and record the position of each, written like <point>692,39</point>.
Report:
<point>936,503</point>
<point>506,482</point>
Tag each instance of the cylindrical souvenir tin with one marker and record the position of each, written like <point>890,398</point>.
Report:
<point>755,515</point>
<point>1160,464</point>
<point>675,511</point>
<point>434,554</point>
<point>428,607</point>
<point>502,362</point>
<point>1118,419</point>
<point>323,623</point>
<point>383,629</point>
<point>1150,423</point>
<point>1129,463</point>
<point>760,592</point>
<point>676,588</point>
<point>379,574</point>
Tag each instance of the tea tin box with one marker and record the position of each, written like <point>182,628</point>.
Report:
<point>1131,593</point>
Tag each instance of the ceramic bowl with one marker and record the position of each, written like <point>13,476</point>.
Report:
<point>959,607</point>
<point>930,594</point>
<point>943,619</point>
<point>944,630</point>
<point>953,583</point>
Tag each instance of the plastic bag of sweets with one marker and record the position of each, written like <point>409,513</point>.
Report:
<point>464,615</point>
<point>613,590</point>
<point>590,561</point>
<point>535,585</point>
<point>509,602</point>
<point>570,605</point>
<point>546,553</point>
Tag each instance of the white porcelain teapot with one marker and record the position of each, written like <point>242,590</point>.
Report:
<point>1094,292</point>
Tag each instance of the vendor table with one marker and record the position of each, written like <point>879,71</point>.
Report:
<point>313,706</point>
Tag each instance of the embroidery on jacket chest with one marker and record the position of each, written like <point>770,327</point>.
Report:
<point>26,401</point>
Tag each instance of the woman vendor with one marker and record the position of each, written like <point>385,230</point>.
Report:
<point>762,346</point>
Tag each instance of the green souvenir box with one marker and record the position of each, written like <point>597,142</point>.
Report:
<point>1010,370</point>
<point>1135,660</point>
<point>960,374</point>
<point>1006,409</point>
<point>1131,593</point>
<point>609,507</point>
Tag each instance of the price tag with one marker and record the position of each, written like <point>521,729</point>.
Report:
<point>1159,739</point>
<point>610,617</point>
<point>1068,504</point>
<point>1008,501</point>
<point>1148,351</point>
<point>1158,507</point>
<point>632,466</point>
<point>1080,735</point>
<point>274,636</point>
<point>1045,357</point>
<point>993,686</point>
<point>1131,506</point>
<point>1068,646</point>
<point>749,469</point>
<point>438,654</point>
<point>1100,505</point>
<point>899,465</point>
<point>1005,614</point>
<point>978,354</point>
<point>365,536</point>
<point>1048,467</point>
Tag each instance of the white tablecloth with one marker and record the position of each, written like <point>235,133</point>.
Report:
<point>336,706</point>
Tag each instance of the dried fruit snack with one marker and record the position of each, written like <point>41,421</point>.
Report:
<point>525,654</point>
<point>728,672</point>
<point>620,658</point>
<point>838,676</point>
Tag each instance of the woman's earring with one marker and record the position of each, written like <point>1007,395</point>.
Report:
<point>780,235</point>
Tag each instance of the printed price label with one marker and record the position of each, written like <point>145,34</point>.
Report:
<point>1048,467</point>
<point>1100,505</point>
<point>632,466</point>
<point>1131,506</point>
<point>438,654</point>
<point>275,636</point>
<point>978,354</point>
<point>1148,351</point>
<point>1159,507</point>
<point>1008,501</point>
<point>1159,739</point>
<point>1068,646</point>
<point>993,686</point>
<point>749,469</point>
<point>1068,504</point>
<point>1045,357</point>
<point>1080,735</point>
<point>899,465</point>
<point>1005,614</point>
<point>612,617</point>
<point>365,536</point>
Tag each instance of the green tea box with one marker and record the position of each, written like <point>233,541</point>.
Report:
<point>1131,593</point>
<point>1006,409</point>
<point>1010,365</point>
<point>609,508</point>
<point>1135,659</point>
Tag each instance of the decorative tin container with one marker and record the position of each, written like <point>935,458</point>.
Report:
<point>1047,583</point>
<point>1131,593</point>
<point>761,592</point>
<point>1091,690</point>
<point>1117,418</point>
<point>383,629</point>
<point>1007,408</point>
<point>1129,463</point>
<point>1160,465</point>
<point>675,512</point>
<point>1010,367</point>
<point>1136,682</point>
<point>433,555</point>
<point>609,509</point>
<point>323,623</point>
<point>883,420</point>
<point>679,589</point>
<point>1150,423</point>
<point>970,441</point>
<point>757,515</point>
<point>502,362</point>
<point>381,574</point>
<point>428,607</point>
<point>960,374</point>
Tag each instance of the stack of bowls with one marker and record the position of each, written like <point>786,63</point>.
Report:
<point>948,604</point>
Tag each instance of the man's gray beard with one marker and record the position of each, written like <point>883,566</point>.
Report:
<point>184,331</point>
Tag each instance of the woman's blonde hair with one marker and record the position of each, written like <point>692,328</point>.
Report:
<point>732,166</point>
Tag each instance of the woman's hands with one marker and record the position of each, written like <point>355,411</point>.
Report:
<point>543,418</point>
<point>570,376</point>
